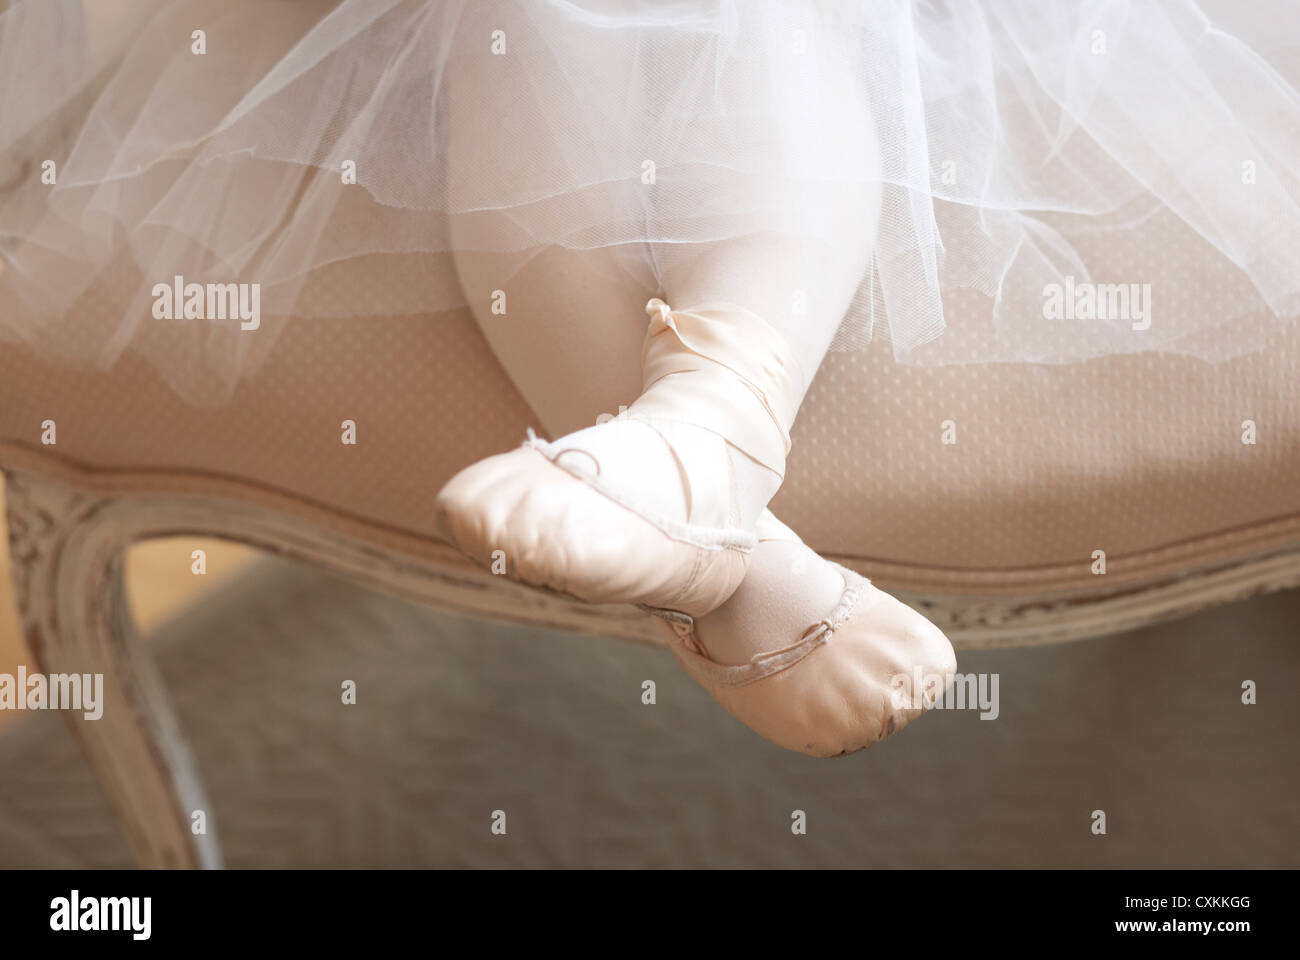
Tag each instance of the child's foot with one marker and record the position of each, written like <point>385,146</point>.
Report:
<point>658,506</point>
<point>810,655</point>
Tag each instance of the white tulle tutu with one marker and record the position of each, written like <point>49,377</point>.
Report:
<point>1082,178</point>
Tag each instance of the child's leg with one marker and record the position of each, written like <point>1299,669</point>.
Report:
<point>570,337</point>
<point>723,369</point>
<point>697,456</point>
<point>570,341</point>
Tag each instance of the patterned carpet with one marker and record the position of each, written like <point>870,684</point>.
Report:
<point>455,719</point>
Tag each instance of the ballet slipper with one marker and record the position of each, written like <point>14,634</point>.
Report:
<point>841,685</point>
<point>644,509</point>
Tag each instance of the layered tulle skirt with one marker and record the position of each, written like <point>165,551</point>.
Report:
<point>1041,181</point>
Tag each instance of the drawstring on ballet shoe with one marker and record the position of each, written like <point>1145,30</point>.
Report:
<point>556,453</point>
<point>816,630</point>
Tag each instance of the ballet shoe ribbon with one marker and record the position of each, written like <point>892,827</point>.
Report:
<point>745,385</point>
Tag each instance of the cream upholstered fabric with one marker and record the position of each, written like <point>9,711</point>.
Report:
<point>1140,456</point>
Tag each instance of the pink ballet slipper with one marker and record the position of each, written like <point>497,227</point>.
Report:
<point>841,685</point>
<point>657,506</point>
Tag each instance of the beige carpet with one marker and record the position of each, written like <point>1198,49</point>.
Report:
<point>456,719</point>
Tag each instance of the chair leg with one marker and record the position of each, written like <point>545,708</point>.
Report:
<point>67,550</point>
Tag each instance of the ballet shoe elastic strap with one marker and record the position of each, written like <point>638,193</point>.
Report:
<point>745,385</point>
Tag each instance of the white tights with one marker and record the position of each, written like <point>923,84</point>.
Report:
<point>571,334</point>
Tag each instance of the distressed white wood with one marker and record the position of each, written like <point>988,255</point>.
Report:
<point>66,549</point>
<point>67,553</point>
<point>995,622</point>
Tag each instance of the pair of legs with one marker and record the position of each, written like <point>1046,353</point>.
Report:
<point>665,505</point>
<point>803,651</point>
<point>571,341</point>
<point>572,326</point>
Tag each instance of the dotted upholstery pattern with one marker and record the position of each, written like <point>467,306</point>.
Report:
<point>1126,454</point>
<point>1140,456</point>
<point>424,392</point>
